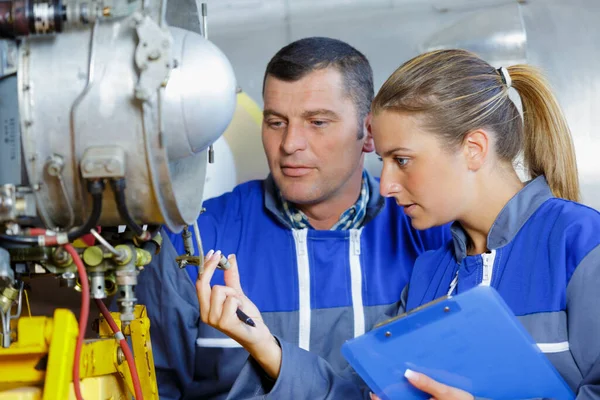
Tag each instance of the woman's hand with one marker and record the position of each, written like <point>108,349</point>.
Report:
<point>438,390</point>
<point>218,306</point>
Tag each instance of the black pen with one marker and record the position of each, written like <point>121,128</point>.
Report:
<point>244,318</point>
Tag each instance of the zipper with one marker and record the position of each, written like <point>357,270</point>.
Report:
<point>488,267</point>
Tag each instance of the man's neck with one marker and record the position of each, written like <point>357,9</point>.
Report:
<point>325,214</point>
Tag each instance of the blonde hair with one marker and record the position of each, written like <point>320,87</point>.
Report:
<point>457,92</point>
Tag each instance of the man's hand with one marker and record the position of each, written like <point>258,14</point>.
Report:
<point>438,390</point>
<point>218,306</point>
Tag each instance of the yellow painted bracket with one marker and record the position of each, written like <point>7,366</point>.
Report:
<point>139,330</point>
<point>43,355</point>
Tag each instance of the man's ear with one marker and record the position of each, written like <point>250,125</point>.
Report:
<point>476,147</point>
<point>369,144</point>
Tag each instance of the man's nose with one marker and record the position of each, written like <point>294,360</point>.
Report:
<point>294,139</point>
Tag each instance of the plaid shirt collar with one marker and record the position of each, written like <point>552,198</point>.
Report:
<point>352,218</point>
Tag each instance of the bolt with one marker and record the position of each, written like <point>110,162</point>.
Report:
<point>111,166</point>
<point>88,166</point>
<point>26,87</point>
<point>120,356</point>
<point>61,256</point>
<point>154,55</point>
<point>68,275</point>
<point>53,170</point>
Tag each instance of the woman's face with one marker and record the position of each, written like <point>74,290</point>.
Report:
<point>427,179</point>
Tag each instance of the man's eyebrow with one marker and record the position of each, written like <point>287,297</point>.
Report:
<point>272,113</point>
<point>320,112</point>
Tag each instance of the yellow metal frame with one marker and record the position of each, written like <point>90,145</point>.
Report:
<point>39,365</point>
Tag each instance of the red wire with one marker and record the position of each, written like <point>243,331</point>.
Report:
<point>83,316</point>
<point>126,350</point>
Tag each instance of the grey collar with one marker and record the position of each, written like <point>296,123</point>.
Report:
<point>272,205</point>
<point>510,220</point>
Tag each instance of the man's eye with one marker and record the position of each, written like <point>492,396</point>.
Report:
<point>401,161</point>
<point>319,123</point>
<point>275,124</point>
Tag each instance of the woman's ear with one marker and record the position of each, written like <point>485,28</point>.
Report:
<point>476,147</point>
<point>369,144</point>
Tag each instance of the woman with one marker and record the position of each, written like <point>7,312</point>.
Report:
<point>448,135</point>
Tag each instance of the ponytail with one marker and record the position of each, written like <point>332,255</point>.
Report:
<point>547,143</point>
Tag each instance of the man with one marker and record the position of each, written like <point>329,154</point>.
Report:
<point>320,252</point>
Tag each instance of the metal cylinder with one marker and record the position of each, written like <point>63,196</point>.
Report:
<point>126,301</point>
<point>97,285</point>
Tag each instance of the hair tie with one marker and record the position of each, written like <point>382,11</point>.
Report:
<point>505,76</point>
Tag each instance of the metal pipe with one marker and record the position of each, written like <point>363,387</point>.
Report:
<point>108,246</point>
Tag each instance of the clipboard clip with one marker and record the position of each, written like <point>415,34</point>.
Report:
<point>414,310</point>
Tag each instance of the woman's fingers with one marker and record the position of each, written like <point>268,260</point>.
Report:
<point>218,296</point>
<point>232,276</point>
<point>203,288</point>
<point>438,390</point>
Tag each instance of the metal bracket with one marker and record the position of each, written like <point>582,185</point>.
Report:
<point>103,162</point>
<point>152,56</point>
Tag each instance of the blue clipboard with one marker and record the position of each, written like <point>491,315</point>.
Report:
<point>471,341</point>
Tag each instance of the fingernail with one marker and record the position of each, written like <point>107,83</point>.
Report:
<point>231,256</point>
<point>209,254</point>
<point>217,254</point>
<point>411,375</point>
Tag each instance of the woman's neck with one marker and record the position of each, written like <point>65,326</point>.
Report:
<point>494,191</point>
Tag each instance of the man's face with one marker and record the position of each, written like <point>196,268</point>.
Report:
<point>310,135</point>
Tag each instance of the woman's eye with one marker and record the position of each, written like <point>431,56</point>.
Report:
<point>402,161</point>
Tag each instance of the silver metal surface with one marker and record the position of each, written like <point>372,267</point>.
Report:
<point>90,102</point>
<point>10,138</point>
<point>97,285</point>
<point>7,276</point>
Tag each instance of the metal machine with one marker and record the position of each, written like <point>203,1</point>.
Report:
<point>107,116</point>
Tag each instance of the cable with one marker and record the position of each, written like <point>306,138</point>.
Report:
<point>118,187</point>
<point>125,347</point>
<point>83,316</point>
<point>95,188</point>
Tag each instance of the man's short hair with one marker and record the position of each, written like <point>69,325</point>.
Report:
<point>304,56</point>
